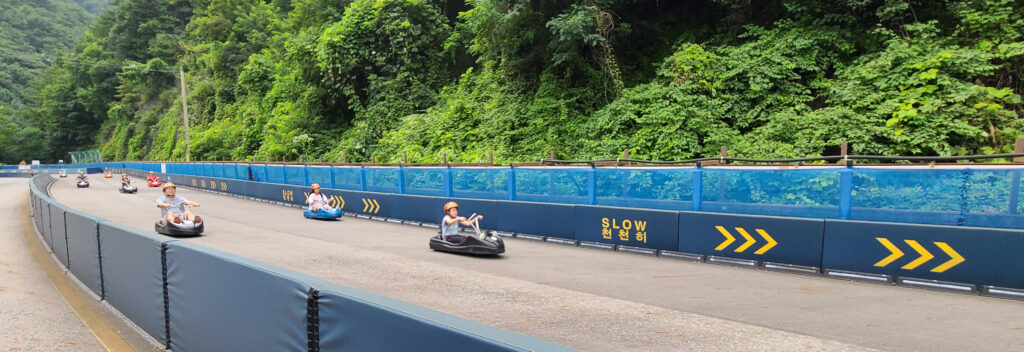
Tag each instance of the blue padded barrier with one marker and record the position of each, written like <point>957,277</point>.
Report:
<point>275,174</point>
<point>667,189</point>
<point>771,239</point>
<point>543,219</point>
<point>259,172</point>
<point>382,179</point>
<point>222,302</point>
<point>132,275</point>
<point>555,185</point>
<point>83,242</point>
<point>656,229</point>
<point>352,320</point>
<point>58,233</point>
<point>44,210</point>
<point>990,256</point>
<point>791,192</point>
<point>415,208</point>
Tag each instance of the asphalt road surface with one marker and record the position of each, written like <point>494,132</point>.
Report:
<point>587,299</point>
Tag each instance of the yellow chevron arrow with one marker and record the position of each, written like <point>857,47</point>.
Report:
<point>771,242</point>
<point>728,238</point>
<point>750,240</point>
<point>955,258</point>
<point>377,205</point>
<point>896,252</point>
<point>341,200</point>
<point>366,205</point>
<point>925,255</point>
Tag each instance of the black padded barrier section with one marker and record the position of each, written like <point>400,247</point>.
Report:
<point>979,256</point>
<point>132,279</point>
<point>761,238</point>
<point>222,302</point>
<point>58,234</point>
<point>83,243</point>
<point>656,229</point>
<point>544,219</point>
<point>353,320</point>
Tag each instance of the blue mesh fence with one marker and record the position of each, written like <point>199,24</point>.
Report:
<point>424,181</point>
<point>319,174</point>
<point>963,197</point>
<point>669,189</point>
<point>799,192</point>
<point>295,175</point>
<point>346,177</point>
<point>382,179</point>
<point>556,185</point>
<point>483,183</point>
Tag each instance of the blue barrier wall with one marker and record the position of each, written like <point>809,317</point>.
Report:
<point>956,254</point>
<point>630,227</point>
<point>133,275</point>
<point>83,242</point>
<point>58,235</point>
<point>222,302</point>
<point>761,238</point>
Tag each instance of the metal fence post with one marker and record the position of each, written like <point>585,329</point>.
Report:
<point>592,186</point>
<point>511,183</point>
<point>448,189</point>
<point>845,192</point>
<point>401,179</point>
<point>698,188</point>
<point>362,178</point>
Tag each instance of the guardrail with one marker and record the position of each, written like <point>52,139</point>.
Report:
<point>192,298</point>
<point>960,258</point>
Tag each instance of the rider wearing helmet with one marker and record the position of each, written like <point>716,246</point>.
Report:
<point>125,180</point>
<point>451,221</point>
<point>173,206</point>
<point>82,177</point>
<point>317,200</point>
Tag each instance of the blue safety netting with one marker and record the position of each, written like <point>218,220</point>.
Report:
<point>347,177</point>
<point>482,183</point>
<point>964,197</point>
<point>670,189</point>
<point>782,192</point>
<point>425,181</point>
<point>382,179</point>
<point>556,185</point>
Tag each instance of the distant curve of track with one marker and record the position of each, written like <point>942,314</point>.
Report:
<point>582,298</point>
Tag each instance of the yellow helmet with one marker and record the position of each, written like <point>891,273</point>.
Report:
<point>166,185</point>
<point>450,205</point>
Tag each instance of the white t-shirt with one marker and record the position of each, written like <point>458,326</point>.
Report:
<point>448,229</point>
<point>317,200</point>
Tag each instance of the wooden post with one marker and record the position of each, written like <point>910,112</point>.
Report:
<point>373,159</point>
<point>552,155</point>
<point>405,158</point>
<point>321,158</point>
<point>844,150</point>
<point>625,155</point>
<point>344,159</point>
<point>1018,147</point>
<point>444,157</point>
<point>723,153</point>
<point>490,156</point>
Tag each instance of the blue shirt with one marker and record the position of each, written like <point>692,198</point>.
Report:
<point>177,205</point>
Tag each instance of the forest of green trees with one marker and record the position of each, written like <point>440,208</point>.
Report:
<point>385,79</point>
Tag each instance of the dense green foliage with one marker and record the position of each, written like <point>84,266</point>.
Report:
<point>291,79</point>
<point>31,32</point>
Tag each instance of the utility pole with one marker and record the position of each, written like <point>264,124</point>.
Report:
<point>184,111</point>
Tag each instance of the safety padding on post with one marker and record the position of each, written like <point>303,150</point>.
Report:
<point>969,255</point>
<point>222,302</point>
<point>84,251</point>
<point>416,208</point>
<point>58,234</point>
<point>656,229</point>
<point>133,275</point>
<point>773,239</point>
<point>467,207</point>
<point>542,219</point>
<point>353,320</point>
